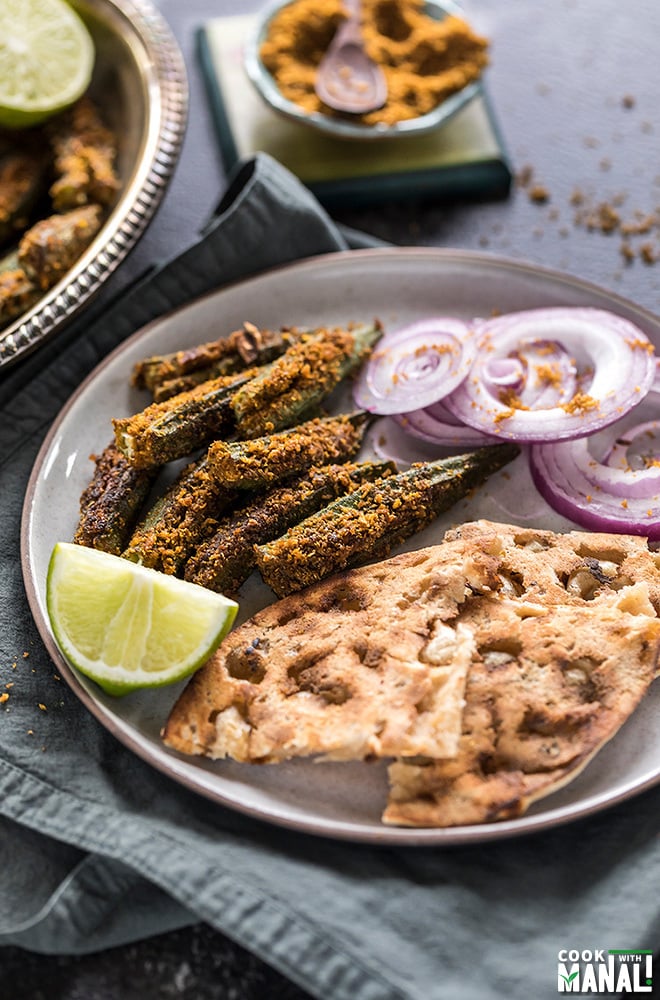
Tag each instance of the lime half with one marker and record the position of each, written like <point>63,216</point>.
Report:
<point>46,60</point>
<point>130,627</point>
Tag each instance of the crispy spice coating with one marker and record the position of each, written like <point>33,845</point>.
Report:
<point>180,520</point>
<point>367,523</point>
<point>84,158</point>
<point>166,374</point>
<point>266,460</point>
<point>226,559</point>
<point>180,425</point>
<point>22,177</point>
<point>17,292</point>
<point>53,245</point>
<point>301,378</point>
<point>110,504</point>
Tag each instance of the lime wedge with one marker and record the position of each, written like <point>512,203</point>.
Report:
<point>46,60</point>
<point>130,627</point>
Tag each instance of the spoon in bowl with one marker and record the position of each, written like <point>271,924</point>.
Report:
<point>347,78</point>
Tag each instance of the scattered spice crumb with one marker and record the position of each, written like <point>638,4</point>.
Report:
<point>539,194</point>
<point>30,732</point>
<point>25,654</point>
<point>627,252</point>
<point>648,253</point>
<point>4,697</point>
<point>42,707</point>
<point>628,101</point>
<point>603,216</point>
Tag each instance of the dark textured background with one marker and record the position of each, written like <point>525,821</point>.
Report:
<point>574,84</point>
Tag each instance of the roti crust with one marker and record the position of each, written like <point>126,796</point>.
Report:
<point>368,663</point>
<point>543,695</point>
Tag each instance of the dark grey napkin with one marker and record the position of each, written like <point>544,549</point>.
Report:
<point>100,849</point>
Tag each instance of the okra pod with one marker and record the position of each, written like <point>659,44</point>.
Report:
<point>367,523</point>
<point>84,151</point>
<point>180,520</point>
<point>181,425</point>
<point>110,504</point>
<point>302,377</point>
<point>263,461</point>
<point>17,292</point>
<point>22,182</point>
<point>226,559</point>
<point>243,348</point>
<point>52,246</point>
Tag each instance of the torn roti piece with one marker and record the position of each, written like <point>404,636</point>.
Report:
<point>493,666</point>
<point>551,682</point>
<point>368,663</point>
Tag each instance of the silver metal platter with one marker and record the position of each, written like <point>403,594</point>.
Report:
<point>140,84</point>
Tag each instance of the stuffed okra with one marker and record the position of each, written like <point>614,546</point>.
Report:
<point>22,182</point>
<point>166,375</point>
<point>366,524</point>
<point>301,378</point>
<point>181,425</point>
<point>227,558</point>
<point>84,155</point>
<point>52,246</point>
<point>110,504</point>
<point>263,461</point>
<point>180,520</point>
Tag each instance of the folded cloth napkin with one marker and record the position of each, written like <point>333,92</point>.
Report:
<point>100,849</point>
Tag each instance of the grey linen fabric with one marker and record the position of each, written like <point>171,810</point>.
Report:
<point>100,849</point>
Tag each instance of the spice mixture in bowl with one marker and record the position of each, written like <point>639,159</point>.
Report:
<point>431,58</point>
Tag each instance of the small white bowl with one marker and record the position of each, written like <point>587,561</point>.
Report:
<point>343,127</point>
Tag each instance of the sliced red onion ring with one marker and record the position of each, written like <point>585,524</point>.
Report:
<point>612,368</point>
<point>551,375</point>
<point>637,448</point>
<point>505,373</point>
<point>656,381</point>
<point>437,426</point>
<point>596,496</point>
<point>416,365</point>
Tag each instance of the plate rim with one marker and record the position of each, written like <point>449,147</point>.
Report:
<point>176,767</point>
<point>168,88</point>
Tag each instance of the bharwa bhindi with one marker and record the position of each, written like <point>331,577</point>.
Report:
<point>263,461</point>
<point>110,503</point>
<point>165,375</point>
<point>226,559</point>
<point>178,426</point>
<point>367,523</point>
<point>301,378</point>
<point>180,520</point>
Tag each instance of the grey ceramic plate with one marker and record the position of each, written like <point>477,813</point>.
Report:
<point>140,84</point>
<point>345,128</point>
<point>399,285</point>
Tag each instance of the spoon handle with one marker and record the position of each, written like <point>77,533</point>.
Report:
<point>351,29</point>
